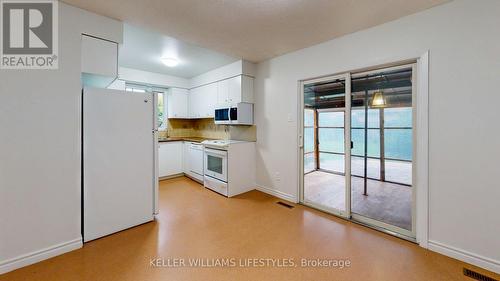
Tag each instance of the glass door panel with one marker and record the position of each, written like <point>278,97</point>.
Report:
<point>214,164</point>
<point>382,152</point>
<point>324,150</point>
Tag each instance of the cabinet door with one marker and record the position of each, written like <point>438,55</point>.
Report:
<point>170,160</point>
<point>201,101</point>
<point>182,102</point>
<point>99,56</point>
<point>162,160</point>
<point>210,100</point>
<point>222,92</point>
<point>247,89</point>
<point>185,156</point>
<point>191,106</point>
<point>234,88</point>
<point>177,103</point>
<point>173,103</point>
<point>99,62</point>
<point>194,103</point>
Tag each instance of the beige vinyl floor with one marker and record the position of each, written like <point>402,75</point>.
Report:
<point>195,223</point>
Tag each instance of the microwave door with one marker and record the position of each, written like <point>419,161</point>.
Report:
<point>218,115</point>
<point>233,115</point>
<point>222,115</point>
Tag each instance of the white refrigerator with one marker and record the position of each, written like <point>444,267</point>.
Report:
<point>119,171</point>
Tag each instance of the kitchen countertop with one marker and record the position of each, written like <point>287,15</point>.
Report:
<point>191,139</point>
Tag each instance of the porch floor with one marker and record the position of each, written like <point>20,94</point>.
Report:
<point>386,202</point>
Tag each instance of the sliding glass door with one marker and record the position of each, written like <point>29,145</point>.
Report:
<point>382,153</point>
<point>357,152</point>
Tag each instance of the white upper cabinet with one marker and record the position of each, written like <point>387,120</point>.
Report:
<point>223,92</point>
<point>177,103</point>
<point>209,100</point>
<point>99,61</point>
<point>234,90</point>
<point>194,103</point>
<point>247,89</point>
<point>202,101</point>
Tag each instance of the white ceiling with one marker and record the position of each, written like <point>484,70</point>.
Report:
<point>142,49</point>
<point>255,29</point>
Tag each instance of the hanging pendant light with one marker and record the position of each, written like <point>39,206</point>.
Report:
<point>378,100</point>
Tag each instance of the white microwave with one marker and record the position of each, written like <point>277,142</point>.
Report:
<point>238,114</point>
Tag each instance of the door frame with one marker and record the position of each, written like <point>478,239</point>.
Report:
<point>420,175</point>
<point>347,145</point>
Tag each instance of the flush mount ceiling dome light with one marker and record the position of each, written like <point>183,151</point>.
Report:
<point>170,62</point>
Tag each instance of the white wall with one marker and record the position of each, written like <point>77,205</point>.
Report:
<point>464,45</point>
<point>151,78</point>
<point>40,148</point>
<point>162,80</point>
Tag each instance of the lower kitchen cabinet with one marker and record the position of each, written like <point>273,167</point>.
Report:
<point>179,157</point>
<point>170,158</point>
<point>185,156</point>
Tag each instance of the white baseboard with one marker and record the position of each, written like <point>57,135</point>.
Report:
<point>40,255</point>
<point>277,193</point>
<point>465,256</point>
<point>171,176</point>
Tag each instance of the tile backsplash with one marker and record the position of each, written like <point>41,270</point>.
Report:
<point>206,128</point>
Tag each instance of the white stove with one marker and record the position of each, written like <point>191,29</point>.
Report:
<point>229,166</point>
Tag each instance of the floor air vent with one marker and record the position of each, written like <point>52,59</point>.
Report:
<point>477,276</point>
<point>285,205</point>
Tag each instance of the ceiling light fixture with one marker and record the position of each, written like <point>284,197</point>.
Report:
<point>170,62</point>
<point>378,99</point>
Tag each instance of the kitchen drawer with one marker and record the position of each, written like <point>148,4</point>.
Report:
<point>216,185</point>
